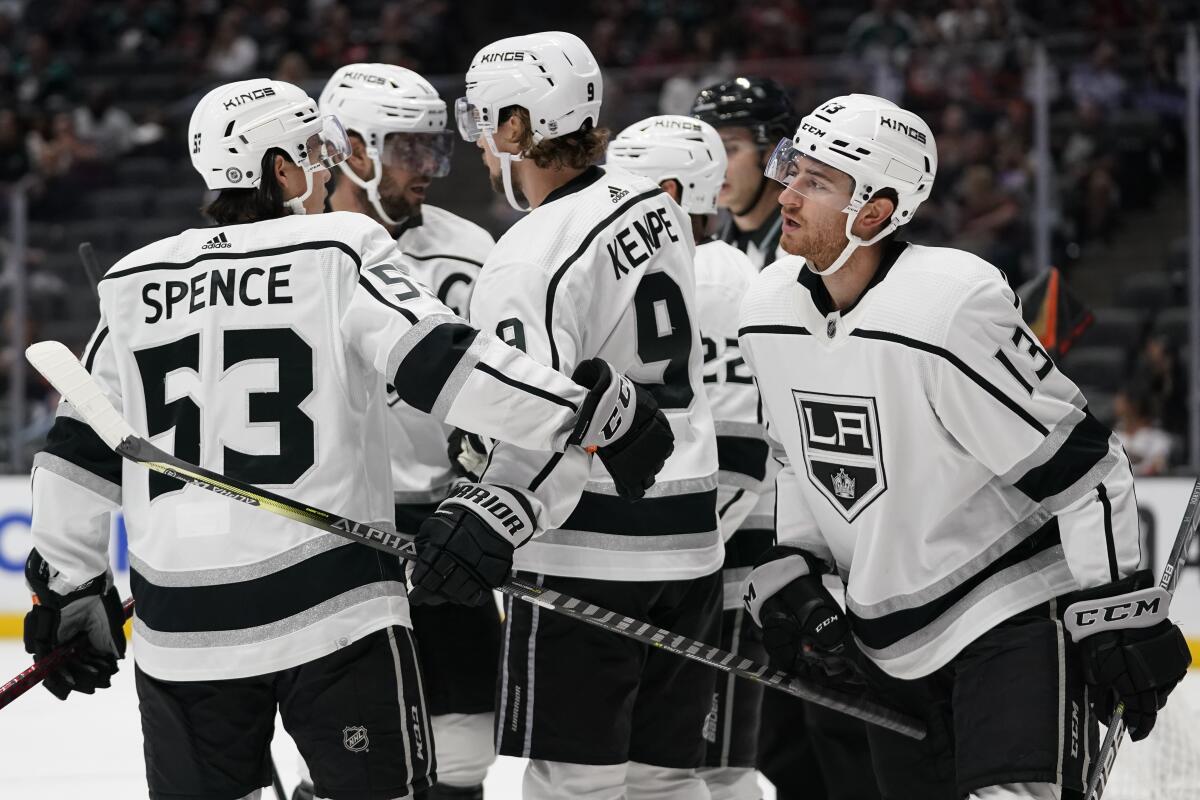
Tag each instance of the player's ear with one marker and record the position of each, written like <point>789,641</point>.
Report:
<point>874,215</point>
<point>672,187</point>
<point>358,159</point>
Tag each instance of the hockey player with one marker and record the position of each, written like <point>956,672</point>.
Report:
<point>752,115</point>
<point>399,144</point>
<point>260,348</point>
<point>602,265</point>
<point>686,158</point>
<point>944,467</point>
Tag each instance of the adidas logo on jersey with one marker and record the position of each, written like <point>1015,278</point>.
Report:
<point>616,194</point>
<point>220,240</point>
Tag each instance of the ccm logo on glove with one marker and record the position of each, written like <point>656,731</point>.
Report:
<point>1139,609</point>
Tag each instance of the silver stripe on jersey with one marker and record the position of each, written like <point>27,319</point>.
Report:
<point>273,630</point>
<point>1088,482</point>
<point>661,488</point>
<point>1046,450</point>
<point>758,521</point>
<point>246,572</point>
<point>458,377</point>
<point>749,430</point>
<point>612,541</point>
<point>414,336</point>
<point>999,547</point>
<point>406,747</point>
<point>78,476</point>
<point>998,590</point>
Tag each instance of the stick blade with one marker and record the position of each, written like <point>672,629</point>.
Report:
<point>59,365</point>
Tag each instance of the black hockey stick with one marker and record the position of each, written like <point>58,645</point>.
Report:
<point>54,361</point>
<point>1102,768</point>
<point>91,265</point>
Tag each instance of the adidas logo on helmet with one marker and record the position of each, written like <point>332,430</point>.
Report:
<point>220,240</point>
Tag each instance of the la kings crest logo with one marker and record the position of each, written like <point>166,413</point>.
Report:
<point>842,450</point>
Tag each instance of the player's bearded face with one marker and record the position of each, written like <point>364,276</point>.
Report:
<point>401,193</point>
<point>814,224</point>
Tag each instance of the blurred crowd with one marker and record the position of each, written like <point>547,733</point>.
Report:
<point>87,83</point>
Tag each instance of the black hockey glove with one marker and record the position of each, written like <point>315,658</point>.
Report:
<point>623,424</point>
<point>805,631</point>
<point>1137,665</point>
<point>466,548</point>
<point>92,613</point>
<point>468,453</point>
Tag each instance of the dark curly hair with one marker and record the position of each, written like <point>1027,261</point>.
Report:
<point>576,150</point>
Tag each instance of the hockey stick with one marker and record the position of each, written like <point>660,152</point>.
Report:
<point>1102,769</point>
<point>38,671</point>
<point>54,361</point>
<point>91,266</point>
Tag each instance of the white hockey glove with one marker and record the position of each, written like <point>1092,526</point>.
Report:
<point>1130,650</point>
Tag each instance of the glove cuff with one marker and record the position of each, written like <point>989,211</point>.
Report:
<point>770,578</point>
<point>503,510</point>
<point>51,590</point>
<point>1131,602</point>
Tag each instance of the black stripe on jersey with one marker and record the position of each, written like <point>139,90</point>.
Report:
<point>75,441</point>
<point>650,516</point>
<point>885,631</point>
<point>211,256</point>
<point>743,454</point>
<point>794,330</point>
<point>1082,450</point>
<point>736,496</point>
<point>917,344</point>
<point>90,359</point>
<point>261,601</point>
<point>533,390</point>
<point>432,256</point>
<point>579,251</point>
<point>746,546</point>
<point>1109,543</point>
<point>423,373</point>
<point>544,472</point>
<point>366,284</point>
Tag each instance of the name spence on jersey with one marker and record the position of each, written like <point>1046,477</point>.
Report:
<point>227,286</point>
<point>634,244</point>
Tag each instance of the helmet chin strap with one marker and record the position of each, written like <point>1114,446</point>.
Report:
<point>853,243</point>
<point>506,161</point>
<point>296,204</point>
<point>371,187</point>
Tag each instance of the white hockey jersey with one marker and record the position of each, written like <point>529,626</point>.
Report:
<point>746,472</point>
<point>445,253</point>
<point>937,458</point>
<point>603,267</point>
<point>260,351</point>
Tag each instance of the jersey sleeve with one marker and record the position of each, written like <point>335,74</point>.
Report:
<point>510,302</point>
<point>444,367</point>
<point>743,454</point>
<point>77,481</point>
<point>1002,399</point>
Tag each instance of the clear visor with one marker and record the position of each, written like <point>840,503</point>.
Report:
<point>425,154</point>
<point>467,118</point>
<point>809,177</point>
<point>328,147</point>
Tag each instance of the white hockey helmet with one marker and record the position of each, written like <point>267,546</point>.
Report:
<point>552,75</point>
<point>874,141</point>
<point>234,125</point>
<point>378,100</point>
<point>685,149</point>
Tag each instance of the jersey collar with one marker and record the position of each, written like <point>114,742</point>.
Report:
<point>765,237</point>
<point>820,295</point>
<point>578,183</point>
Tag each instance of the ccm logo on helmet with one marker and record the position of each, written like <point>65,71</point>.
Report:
<point>911,133</point>
<point>248,97</point>
<point>1117,612</point>
<point>511,55</point>
<point>805,126</point>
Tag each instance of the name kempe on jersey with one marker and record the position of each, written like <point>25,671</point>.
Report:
<point>445,253</point>
<point>936,457</point>
<point>603,267</point>
<point>266,359</point>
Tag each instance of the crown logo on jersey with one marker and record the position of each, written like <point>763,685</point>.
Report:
<point>220,240</point>
<point>616,194</point>
<point>843,485</point>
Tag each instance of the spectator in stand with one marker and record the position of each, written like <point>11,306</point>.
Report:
<point>98,122</point>
<point>232,53</point>
<point>990,222</point>
<point>39,75</point>
<point>964,21</point>
<point>14,156</point>
<point>292,68</point>
<point>1097,81</point>
<point>1163,374</point>
<point>882,29</point>
<point>1147,445</point>
<point>1088,175</point>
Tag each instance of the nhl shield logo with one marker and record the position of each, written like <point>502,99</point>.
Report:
<point>354,738</point>
<point>842,449</point>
